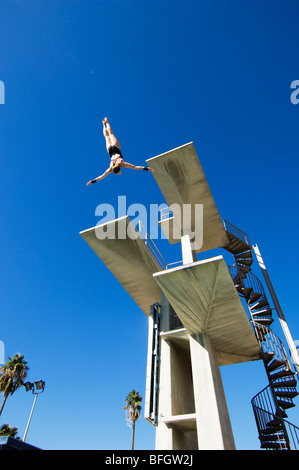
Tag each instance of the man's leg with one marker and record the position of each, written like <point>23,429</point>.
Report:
<point>106,133</point>
<point>110,138</point>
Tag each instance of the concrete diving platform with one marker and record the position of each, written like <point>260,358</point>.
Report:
<point>128,258</point>
<point>204,297</point>
<point>181,180</point>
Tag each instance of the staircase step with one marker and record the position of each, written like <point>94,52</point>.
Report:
<point>246,291</point>
<point>238,279</point>
<point>260,304</point>
<point>275,365</point>
<point>286,383</point>
<point>244,262</point>
<point>281,413</point>
<point>286,394</point>
<point>285,404</point>
<point>263,313</point>
<point>282,373</point>
<point>246,254</point>
<point>244,269</point>
<point>268,356</point>
<point>276,428</point>
<point>235,245</point>
<point>272,437</point>
<point>276,423</point>
<point>264,321</point>
<point>254,297</point>
<point>274,445</point>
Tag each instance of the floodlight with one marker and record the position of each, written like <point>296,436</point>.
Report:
<point>29,386</point>
<point>37,388</point>
<point>40,384</point>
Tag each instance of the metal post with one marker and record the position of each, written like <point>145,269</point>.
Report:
<point>153,366</point>
<point>27,427</point>
<point>279,311</point>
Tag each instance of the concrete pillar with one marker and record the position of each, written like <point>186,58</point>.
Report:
<point>164,433</point>
<point>214,430</point>
<point>190,391</point>
<point>188,252</point>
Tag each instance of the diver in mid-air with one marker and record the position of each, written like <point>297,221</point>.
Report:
<point>117,161</point>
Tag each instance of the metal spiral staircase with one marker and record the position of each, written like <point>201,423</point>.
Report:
<point>269,405</point>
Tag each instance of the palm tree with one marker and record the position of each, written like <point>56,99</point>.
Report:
<point>133,409</point>
<point>12,376</point>
<point>7,430</point>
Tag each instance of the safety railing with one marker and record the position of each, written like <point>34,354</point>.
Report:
<point>151,246</point>
<point>246,280</point>
<point>154,249</point>
<point>275,433</point>
<point>236,232</point>
<point>271,344</point>
<point>166,213</point>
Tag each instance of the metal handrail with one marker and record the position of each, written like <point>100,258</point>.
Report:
<point>274,431</point>
<point>240,277</point>
<point>271,343</point>
<point>236,232</point>
<point>265,401</point>
<point>166,213</point>
<point>268,340</point>
<point>153,248</point>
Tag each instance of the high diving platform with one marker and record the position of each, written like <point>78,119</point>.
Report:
<point>185,398</point>
<point>128,258</point>
<point>206,301</point>
<point>181,180</point>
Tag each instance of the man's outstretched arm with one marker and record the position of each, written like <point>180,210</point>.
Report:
<point>136,167</point>
<point>107,172</point>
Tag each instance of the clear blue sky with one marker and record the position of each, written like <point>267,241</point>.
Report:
<point>165,72</point>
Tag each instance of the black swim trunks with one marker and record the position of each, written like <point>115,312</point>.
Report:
<point>113,150</point>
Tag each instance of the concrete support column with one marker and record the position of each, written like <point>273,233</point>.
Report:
<point>188,252</point>
<point>164,433</point>
<point>214,430</point>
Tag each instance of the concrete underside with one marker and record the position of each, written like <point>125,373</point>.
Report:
<point>181,180</point>
<point>128,259</point>
<point>205,299</point>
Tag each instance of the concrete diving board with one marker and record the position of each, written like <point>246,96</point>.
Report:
<point>204,297</point>
<point>128,259</point>
<point>181,180</point>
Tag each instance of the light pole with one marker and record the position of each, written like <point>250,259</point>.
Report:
<point>37,388</point>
